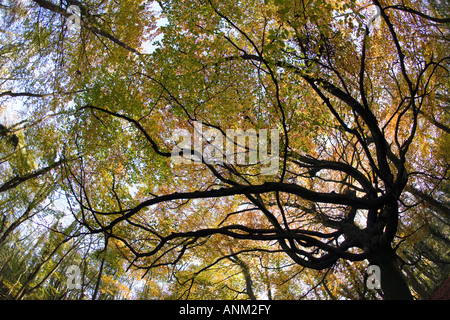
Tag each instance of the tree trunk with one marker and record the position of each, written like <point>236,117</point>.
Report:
<point>99,279</point>
<point>418,287</point>
<point>248,278</point>
<point>393,283</point>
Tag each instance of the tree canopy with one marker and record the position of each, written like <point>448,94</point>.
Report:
<point>345,101</point>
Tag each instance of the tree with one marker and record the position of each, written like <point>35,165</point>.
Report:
<point>354,105</point>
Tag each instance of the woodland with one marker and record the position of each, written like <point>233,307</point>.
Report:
<point>94,207</point>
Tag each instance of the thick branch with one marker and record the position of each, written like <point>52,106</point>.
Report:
<point>420,14</point>
<point>14,182</point>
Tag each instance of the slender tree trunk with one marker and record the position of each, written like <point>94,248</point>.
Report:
<point>393,283</point>
<point>248,282</point>
<point>25,287</point>
<point>99,279</point>
<point>248,278</point>
<point>417,286</point>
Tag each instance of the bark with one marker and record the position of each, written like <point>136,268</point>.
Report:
<point>247,276</point>
<point>393,283</point>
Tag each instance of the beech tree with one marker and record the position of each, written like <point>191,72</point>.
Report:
<point>354,89</point>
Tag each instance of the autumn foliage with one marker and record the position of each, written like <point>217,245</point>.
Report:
<point>357,90</point>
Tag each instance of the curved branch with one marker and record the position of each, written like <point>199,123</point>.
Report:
<point>14,182</point>
<point>136,124</point>
<point>331,198</point>
<point>420,14</point>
